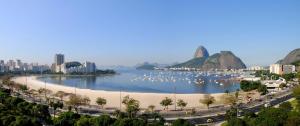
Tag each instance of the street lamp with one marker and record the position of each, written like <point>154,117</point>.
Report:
<point>175,96</point>
<point>120,99</point>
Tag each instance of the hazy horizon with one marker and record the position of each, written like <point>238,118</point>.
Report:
<point>131,32</point>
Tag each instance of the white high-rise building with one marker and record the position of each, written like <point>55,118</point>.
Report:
<point>89,67</point>
<point>11,65</point>
<point>19,64</point>
<point>282,69</point>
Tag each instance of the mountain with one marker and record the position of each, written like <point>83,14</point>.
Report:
<point>292,58</point>
<point>193,63</point>
<point>201,52</point>
<point>146,66</point>
<point>222,60</point>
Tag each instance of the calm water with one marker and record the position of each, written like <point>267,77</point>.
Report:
<point>150,81</point>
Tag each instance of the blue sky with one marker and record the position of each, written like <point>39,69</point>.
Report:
<point>127,32</point>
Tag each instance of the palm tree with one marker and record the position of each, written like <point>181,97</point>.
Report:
<point>151,108</point>
<point>101,101</point>
<point>181,104</point>
<point>166,103</point>
<point>207,100</point>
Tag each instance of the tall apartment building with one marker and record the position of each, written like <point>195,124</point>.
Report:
<point>58,61</point>
<point>89,67</point>
<point>282,69</point>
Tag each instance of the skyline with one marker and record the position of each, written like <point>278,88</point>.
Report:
<point>131,32</point>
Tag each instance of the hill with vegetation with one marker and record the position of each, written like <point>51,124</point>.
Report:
<point>222,60</point>
<point>292,58</point>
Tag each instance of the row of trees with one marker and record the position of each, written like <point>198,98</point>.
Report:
<point>15,111</point>
<point>253,85</point>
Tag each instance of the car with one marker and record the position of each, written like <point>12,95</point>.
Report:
<point>209,120</point>
<point>267,104</point>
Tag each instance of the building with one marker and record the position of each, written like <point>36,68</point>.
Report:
<point>274,85</point>
<point>256,68</point>
<point>86,67</point>
<point>59,60</point>
<point>282,69</point>
<point>289,69</point>
<point>89,67</point>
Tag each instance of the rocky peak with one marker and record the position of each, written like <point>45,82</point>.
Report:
<point>201,52</point>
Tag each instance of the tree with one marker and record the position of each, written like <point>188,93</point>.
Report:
<point>166,103</point>
<point>23,88</point>
<point>101,101</point>
<point>130,122</point>
<point>151,108</point>
<point>207,100</point>
<point>296,94</point>
<point>44,91</point>
<point>293,121</point>
<point>66,119</point>
<point>262,89</point>
<point>56,105</point>
<point>271,117</point>
<point>249,85</point>
<point>289,77</point>
<point>86,101</point>
<point>181,104</point>
<point>286,106</point>
<point>231,113</point>
<point>282,85</point>
<point>60,94</point>
<point>75,101</point>
<point>229,99</point>
<point>181,122</point>
<point>103,120</point>
<point>236,122</point>
<point>132,106</point>
<point>84,121</point>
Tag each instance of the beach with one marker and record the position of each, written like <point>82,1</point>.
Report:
<point>113,97</point>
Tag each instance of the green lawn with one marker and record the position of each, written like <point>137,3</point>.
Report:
<point>294,103</point>
<point>224,124</point>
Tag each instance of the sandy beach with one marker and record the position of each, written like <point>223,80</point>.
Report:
<point>113,97</point>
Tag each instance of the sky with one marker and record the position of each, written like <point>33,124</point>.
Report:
<point>127,32</point>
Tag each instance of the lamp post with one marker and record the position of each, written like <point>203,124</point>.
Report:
<point>175,97</point>
<point>120,99</point>
<point>45,90</point>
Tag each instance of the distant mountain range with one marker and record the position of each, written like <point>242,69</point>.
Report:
<point>222,60</point>
<point>150,66</point>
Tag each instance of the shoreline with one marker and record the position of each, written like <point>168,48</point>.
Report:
<point>113,97</point>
